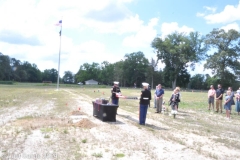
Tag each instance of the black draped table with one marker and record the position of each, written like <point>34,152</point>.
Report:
<point>105,112</point>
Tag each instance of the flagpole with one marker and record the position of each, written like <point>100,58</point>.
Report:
<point>60,34</point>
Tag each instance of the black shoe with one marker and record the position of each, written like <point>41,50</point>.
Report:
<point>156,112</point>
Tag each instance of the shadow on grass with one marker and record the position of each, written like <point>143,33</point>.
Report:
<point>154,127</point>
<point>184,115</point>
<point>117,122</point>
<point>182,111</point>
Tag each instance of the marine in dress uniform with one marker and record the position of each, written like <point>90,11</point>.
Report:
<point>115,90</point>
<point>144,102</point>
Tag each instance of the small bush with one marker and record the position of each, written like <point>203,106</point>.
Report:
<point>46,136</point>
<point>65,131</point>
<point>99,155</point>
<point>119,155</point>
<point>84,141</point>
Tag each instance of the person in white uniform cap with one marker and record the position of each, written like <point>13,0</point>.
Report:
<point>115,91</point>
<point>144,102</point>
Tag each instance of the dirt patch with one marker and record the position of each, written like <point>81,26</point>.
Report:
<point>85,123</point>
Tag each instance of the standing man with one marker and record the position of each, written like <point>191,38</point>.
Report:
<point>155,97</point>
<point>144,101</point>
<point>115,91</point>
<point>159,98</point>
<point>211,94</point>
<point>149,88</point>
<point>219,96</point>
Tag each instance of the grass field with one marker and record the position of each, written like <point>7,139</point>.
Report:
<point>34,116</point>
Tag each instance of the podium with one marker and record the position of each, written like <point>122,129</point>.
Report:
<point>105,112</point>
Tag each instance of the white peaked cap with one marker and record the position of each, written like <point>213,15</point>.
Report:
<point>115,82</point>
<point>145,84</point>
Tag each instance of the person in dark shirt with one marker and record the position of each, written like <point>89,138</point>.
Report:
<point>149,88</point>
<point>174,100</point>
<point>144,102</point>
<point>115,91</point>
<point>219,96</point>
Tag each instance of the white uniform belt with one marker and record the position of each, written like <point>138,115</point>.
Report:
<point>146,98</point>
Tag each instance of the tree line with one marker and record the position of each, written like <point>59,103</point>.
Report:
<point>219,50</point>
<point>12,69</point>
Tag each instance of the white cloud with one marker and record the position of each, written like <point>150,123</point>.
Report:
<point>208,10</point>
<point>200,14</point>
<point>212,9</point>
<point>30,20</point>
<point>129,24</point>
<point>229,14</point>
<point>231,26</point>
<point>168,28</point>
<point>32,17</point>
<point>143,37</point>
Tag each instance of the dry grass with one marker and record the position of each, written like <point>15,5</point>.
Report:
<point>39,113</point>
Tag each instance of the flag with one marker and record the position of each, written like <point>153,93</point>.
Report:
<point>59,23</point>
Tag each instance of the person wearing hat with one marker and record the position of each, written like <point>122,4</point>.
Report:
<point>144,102</point>
<point>115,91</point>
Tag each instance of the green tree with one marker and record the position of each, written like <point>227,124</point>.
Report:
<point>5,68</point>
<point>23,75</point>
<point>183,78</point>
<point>179,51</point>
<point>68,77</point>
<point>224,63</point>
<point>197,81</point>
<point>50,75</point>
<point>119,73</point>
<point>88,71</point>
<point>106,75</point>
<point>135,68</point>
<point>33,73</point>
<point>152,69</point>
<point>155,77</point>
<point>211,81</point>
<point>15,64</point>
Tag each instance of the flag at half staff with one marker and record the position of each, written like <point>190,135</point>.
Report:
<point>59,23</point>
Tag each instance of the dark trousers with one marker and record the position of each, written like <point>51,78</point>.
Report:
<point>115,101</point>
<point>143,114</point>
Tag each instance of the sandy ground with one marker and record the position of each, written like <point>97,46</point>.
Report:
<point>34,132</point>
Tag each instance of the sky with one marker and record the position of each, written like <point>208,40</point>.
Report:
<point>103,30</point>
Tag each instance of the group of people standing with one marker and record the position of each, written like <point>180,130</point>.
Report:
<point>218,94</point>
<point>158,99</point>
<point>145,98</point>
